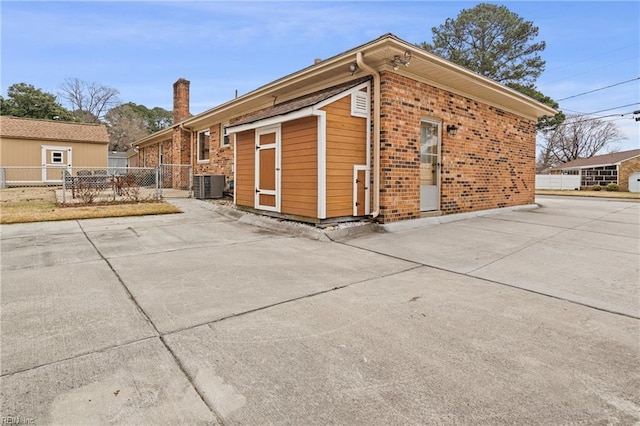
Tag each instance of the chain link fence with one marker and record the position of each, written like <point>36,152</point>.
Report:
<point>85,185</point>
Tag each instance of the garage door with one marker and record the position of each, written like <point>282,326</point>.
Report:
<point>634,182</point>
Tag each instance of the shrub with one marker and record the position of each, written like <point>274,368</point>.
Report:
<point>613,187</point>
<point>596,187</point>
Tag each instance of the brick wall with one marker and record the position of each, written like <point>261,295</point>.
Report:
<point>626,169</point>
<point>180,100</point>
<point>220,158</point>
<point>490,163</point>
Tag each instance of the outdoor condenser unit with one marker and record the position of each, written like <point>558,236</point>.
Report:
<point>208,186</point>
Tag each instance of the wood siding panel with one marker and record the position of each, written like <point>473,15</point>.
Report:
<point>25,152</point>
<point>245,168</point>
<point>299,167</point>
<point>346,147</point>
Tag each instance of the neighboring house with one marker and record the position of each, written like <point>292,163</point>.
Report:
<point>117,162</point>
<point>622,168</point>
<point>38,151</point>
<point>385,130</point>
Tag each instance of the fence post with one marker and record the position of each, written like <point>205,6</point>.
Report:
<point>158,184</point>
<point>64,188</point>
<point>3,177</point>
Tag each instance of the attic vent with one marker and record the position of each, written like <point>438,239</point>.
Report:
<point>360,104</point>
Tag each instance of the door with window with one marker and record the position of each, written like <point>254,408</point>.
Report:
<point>268,169</point>
<point>55,159</point>
<point>429,166</point>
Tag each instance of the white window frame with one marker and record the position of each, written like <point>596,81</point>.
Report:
<point>53,160</point>
<point>226,138</point>
<point>208,135</point>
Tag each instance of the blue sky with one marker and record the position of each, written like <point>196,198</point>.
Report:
<point>141,48</point>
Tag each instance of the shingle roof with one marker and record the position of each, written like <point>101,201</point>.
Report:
<point>29,128</point>
<point>600,160</point>
<point>299,103</point>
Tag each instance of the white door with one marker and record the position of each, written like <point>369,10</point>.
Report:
<point>429,165</point>
<point>268,169</point>
<point>634,182</point>
<point>55,159</point>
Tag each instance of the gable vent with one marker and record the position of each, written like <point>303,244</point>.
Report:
<point>360,104</point>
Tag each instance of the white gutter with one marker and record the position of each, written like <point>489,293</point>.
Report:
<point>376,132</point>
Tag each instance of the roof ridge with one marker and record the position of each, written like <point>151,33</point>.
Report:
<point>11,117</point>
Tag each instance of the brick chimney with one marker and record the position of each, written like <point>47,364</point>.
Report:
<point>180,100</point>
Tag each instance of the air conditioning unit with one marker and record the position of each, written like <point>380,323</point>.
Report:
<point>208,186</point>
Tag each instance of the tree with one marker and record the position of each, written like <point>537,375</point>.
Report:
<point>24,100</point>
<point>89,101</point>
<point>546,123</point>
<point>498,44</point>
<point>492,41</point>
<point>577,137</point>
<point>124,125</point>
<point>155,119</point>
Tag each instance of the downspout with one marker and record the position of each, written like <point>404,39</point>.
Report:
<point>376,132</point>
<point>191,152</point>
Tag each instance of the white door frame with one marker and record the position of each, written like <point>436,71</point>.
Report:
<point>436,206</point>
<point>276,145</point>
<point>364,169</point>
<point>49,164</point>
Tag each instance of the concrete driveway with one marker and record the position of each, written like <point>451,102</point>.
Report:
<point>527,317</point>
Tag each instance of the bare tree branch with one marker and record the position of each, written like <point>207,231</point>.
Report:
<point>89,101</point>
<point>576,138</point>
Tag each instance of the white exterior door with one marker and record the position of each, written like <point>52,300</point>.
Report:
<point>429,166</point>
<point>55,159</point>
<point>634,182</point>
<point>268,169</point>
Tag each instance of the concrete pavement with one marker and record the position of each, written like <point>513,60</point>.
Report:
<point>527,317</point>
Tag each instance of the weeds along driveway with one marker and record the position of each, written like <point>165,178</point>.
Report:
<point>201,319</point>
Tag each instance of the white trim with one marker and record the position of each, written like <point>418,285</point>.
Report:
<point>438,123</point>
<point>224,132</point>
<point>198,159</point>
<point>57,151</point>
<point>235,167</point>
<point>45,164</point>
<point>356,169</point>
<point>322,164</point>
<point>276,145</point>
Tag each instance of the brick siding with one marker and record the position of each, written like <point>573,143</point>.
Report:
<point>627,168</point>
<point>220,157</point>
<point>489,163</point>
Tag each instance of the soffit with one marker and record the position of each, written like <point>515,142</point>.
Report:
<point>424,66</point>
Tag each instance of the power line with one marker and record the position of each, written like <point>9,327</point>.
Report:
<point>597,90</point>
<point>582,114</point>
<point>620,117</point>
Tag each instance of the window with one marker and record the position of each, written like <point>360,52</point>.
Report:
<point>56,157</point>
<point>226,137</point>
<point>203,146</point>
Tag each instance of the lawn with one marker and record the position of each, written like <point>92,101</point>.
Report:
<point>20,205</point>
<point>588,193</point>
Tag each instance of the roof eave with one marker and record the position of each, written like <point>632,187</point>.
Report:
<point>332,67</point>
